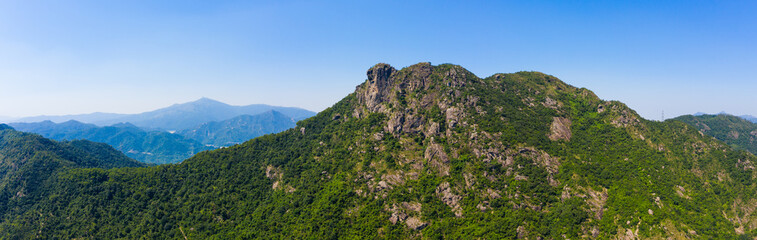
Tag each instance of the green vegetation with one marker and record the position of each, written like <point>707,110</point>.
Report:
<point>238,129</point>
<point>155,147</point>
<point>28,162</point>
<point>737,132</point>
<point>427,152</point>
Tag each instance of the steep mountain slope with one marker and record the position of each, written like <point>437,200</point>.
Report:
<point>149,147</point>
<point>28,161</point>
<point>178,116</point>
<point>425,152</point>
<point>737,132</point>
<point>239,129</point>
<point>16,147</point>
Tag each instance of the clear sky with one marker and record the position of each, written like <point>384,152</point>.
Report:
<point>127,56</point>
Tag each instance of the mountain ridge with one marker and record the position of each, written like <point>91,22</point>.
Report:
<point>735,131</point>
<point>426,152</point>
<point>239,129</point>
<point>177,116</point>
<point>154,147</point>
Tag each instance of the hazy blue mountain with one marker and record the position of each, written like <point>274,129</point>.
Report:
<point>178,116</point>
<point>53,130</point>
<point>6,119</point>
<point>146,146</point>
<point>239,129</point>
<point>87,118</point>
<point>188,115</point>
<point>749,118</point>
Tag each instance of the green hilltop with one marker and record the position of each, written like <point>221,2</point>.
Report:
<point>735,131</point>
<point>424,152</point>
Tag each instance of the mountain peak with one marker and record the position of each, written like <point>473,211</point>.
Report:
<point>385,84</point>
<point>4,127</point>
<point>206,101</point>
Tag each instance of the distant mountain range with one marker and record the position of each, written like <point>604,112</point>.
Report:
<point>160,147</point>
<point>749,118</point>
<point>177,116</point>
<point>156,147</point>
<point>239,129</point>
<point>6,119</point>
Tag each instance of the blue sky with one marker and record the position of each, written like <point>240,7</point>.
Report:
<point>70,57</point>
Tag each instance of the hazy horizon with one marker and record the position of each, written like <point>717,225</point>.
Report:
<point>79,57</point>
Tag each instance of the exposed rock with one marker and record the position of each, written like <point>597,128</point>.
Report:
<point>412,206</point>
<point>395,122</point>
<point>437,158</point>
<point>733,134</point>
<point>272,172</point>
<point>493,194</point>
<point>452,200</point>
<point>658,202</point>
<point>597,201</point>
<point>383,185</point>
<point>551,103</point>
<point>625,118</point>
<point>415,223</point>
<point>397,216</point>
<point>378,136</point>
<point>469,180</point>
<point>681,192</point>
<point>432,129</point>
<point>520,177</point>
<point>521,232</point>
<point>376,90</point>
<point>394,179</point>
<point>560,129</point>
<point>412,124</point>
<point>540,158</point>
<point>453,115</point>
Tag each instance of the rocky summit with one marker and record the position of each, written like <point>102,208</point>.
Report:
<point>424,152</point>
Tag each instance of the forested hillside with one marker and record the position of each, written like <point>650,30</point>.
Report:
<point>156,147</point>
<point>737,132</point>
<point>29,162</point>
<point>423,152</point>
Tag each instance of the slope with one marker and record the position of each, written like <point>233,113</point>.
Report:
<point>426,152</point>
<point>737,132</point>
<point>146,146</point>
<point>238,129</point>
